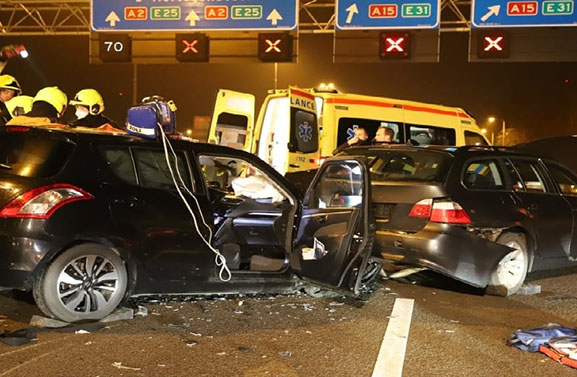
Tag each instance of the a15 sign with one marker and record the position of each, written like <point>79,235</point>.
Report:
<point>395,45</point>
<point>192,47</point>
<point>115,48</point>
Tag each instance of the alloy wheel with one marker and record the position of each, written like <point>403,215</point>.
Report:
<point>512,267</point>
<point>87,284</point>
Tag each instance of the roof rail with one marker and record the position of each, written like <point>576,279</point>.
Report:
<point>497,148</point>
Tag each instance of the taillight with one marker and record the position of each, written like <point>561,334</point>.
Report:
<point>16,129</point>
<point>444,211</point>
<point>42,202</point>
<point>449,212</point>
<point>422,209</point>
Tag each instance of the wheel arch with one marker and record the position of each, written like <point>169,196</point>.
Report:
<point>117,246</point>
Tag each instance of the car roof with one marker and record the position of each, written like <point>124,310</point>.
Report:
<point>467,150</point>
<point>104,137</point>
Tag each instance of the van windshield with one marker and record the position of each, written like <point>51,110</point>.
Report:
<point>27,153</point>
<point>396,165</point>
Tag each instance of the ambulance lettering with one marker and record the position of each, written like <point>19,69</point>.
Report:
<point>303,103</point>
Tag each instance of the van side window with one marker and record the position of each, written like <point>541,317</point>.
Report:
<point>120,161</point>
<point>231,130</point>
<point>429,135</point>
<point>483,175</point>
<point>347,126</point>
<point>530,175</point>
<point>473,138</point>
<point>566,181</point>
<point>153,171</point>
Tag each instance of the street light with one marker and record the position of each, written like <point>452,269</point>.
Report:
<point>492,120</point>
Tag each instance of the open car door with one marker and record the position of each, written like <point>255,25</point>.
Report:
<point>232,120</point>
<point>336,232</point>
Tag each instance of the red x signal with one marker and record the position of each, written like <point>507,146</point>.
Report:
<point>189,46</point>
<point>193,47</point>
<point>272,46</point>
<point>493,44</point>
<point>275,47</point>
<point>394,45</point>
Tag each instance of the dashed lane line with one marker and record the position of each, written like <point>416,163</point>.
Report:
<point>392,353</point>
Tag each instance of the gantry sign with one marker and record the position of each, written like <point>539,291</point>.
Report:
<point>156,15</point>
<point>538,30</point>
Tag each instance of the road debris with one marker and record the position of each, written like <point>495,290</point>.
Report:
<point>118,364</point>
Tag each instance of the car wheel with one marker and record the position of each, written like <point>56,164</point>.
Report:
<point>512,269</point>
<point>86,282</point>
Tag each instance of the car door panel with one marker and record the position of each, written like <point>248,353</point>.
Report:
<point>547,213</point>
<point>335,234</point>
<point>156,222</point>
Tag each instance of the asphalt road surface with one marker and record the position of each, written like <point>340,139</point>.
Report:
<point>454,331</point>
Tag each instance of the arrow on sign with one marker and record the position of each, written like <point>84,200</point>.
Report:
<point>494,10</point>
<point>353,9</point>
<point>112,18</point>
<point>192,17</point>
<point>274,17</point>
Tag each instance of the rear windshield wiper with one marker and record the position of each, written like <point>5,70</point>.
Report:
<point>4,166</point>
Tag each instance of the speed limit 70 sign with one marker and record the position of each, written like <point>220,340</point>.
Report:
<point>115,48</point>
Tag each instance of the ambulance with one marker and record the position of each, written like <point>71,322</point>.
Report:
<point>297,129</point>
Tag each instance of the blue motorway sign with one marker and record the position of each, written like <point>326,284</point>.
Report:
<point>532,13</point>
<point>387,14</point>
<point>177,15</point>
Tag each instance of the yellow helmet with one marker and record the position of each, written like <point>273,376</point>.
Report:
<point>53,96</point>
<point>9,82</point>
<point>91,99</point>
<point>19,105</point>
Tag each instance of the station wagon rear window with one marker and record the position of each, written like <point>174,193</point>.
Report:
<point>417,166</point>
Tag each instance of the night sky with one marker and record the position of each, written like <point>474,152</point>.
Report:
<point>540,98</point>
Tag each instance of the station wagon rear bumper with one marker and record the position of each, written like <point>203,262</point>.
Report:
<point>447,249</point>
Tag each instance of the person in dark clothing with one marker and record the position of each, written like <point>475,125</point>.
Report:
<point>48,107</point>
<point>361,138</point>
<point>89,107</point>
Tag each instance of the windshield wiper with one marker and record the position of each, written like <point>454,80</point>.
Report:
<point>4,166</point>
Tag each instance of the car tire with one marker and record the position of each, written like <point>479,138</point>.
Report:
<point>86,282</point>
<point>512,270</point>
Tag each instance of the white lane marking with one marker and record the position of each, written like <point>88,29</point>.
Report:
<point>392,354</point>
<point>27,362</point>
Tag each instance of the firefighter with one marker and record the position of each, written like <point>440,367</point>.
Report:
<point>89,107</point>
<point>17,106</point>
<point>47,108</point>
<point>9,88</point>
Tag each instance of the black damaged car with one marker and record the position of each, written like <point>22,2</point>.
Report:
<point>483,215</point>
<point>89,219</point>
